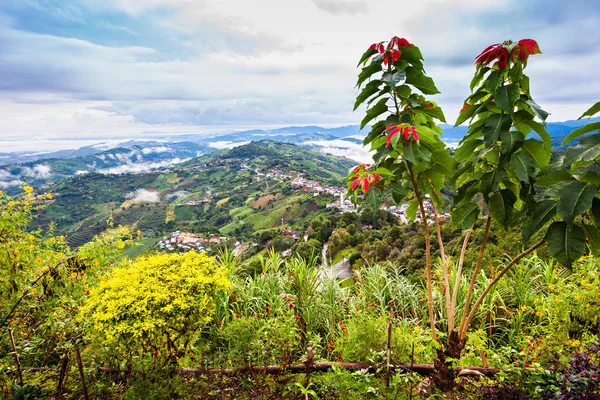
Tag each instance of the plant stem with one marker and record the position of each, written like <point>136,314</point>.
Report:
<point>444,263</point>
<point>489,287</point>
<point>427,253</point>
<point>457,278</point>
<point>475,273</point>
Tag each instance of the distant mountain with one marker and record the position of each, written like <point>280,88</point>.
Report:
<point>142,156</point>
<point>131,157</point>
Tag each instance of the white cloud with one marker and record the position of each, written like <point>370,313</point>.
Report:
<point>140,167</point>
<point>82,172</point>
<point>159,149</point>
<point>144,196</point>
<point>38,171</point>
<point>222,144</point>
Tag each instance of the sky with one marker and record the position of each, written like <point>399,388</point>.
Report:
<point>108,69</point>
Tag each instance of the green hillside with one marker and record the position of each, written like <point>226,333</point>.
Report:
<point>231,192</point>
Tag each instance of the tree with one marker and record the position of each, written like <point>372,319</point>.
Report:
<point>494,171</point>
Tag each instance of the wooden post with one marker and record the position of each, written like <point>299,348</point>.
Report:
<point>484,359</point>
<point>81,374</point>
<point>16,356</point>
<point>308,362</point>
<point>388,357</point>
<point>62,374</point>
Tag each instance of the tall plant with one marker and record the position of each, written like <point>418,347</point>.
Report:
<point>494,169</point>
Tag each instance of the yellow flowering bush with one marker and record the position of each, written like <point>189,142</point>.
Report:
<point>157,302</point>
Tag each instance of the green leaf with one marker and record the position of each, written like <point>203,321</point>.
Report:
<point>523,165</point>
<point>466,114</point>
<point>590,177</point>
<point>436,112</point>
<point>443,163</point>
<point>541,131</point>
<point>554,177</point>
<point>467,149</point>
<point>593,126</point>
<point>392,79</point>
<point>587,150</point>
<point>574,199</point>
<point>373,198</point>
<point>506,96</point>
<point>511,141</point>
<point>367,72</point>
<point>538,152</point>
<point>366,55</point>
<point>411,211</point>
<point>490,181</point>
<point>376,131</point>
<point>596,211</point>
<point>424,83</point>
<point>565,244</point>
<point>494,126</point>
<point>416,154</point>
<point>593,238</point>
<point>592,111</point>
<point>375,111</point>
<point>542,213</point>
<point>478,76</point>
<point>403,91</point>
<point>412,55</point>
<point>369,90</point>
<point>492,82</point>
<point>465,216</point>
<point>537,110</point>
<point>502,206</point>
<point>516,72</point>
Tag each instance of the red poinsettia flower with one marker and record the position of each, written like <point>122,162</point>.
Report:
<point>361,167</point>
<point>495,51</point>
<point>527,47</point>
<point>398,42</point>
<point>407,131</point>
<point>365,182</point>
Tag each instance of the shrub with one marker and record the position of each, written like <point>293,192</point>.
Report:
<point>158,301</point>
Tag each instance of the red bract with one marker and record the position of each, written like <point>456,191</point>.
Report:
<point>407,131</point>
<point>361,167</point>
<point>399,42</point>
<point>495,51</point>
<point>527,47</point>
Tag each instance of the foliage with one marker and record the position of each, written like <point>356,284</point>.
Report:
<point>156,301</point>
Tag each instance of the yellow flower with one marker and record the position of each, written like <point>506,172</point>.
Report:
<point>40,197</point>
<point>33,291</point>
<point>28,189</point>
<point>578,297</point>
<point>38,260</point>
<point>524,308</point>
<point>49,195</point>
<point>120,244</point>
<point>551,286</point>
<point>11,204</point>
<point>31,238</point>
<point>1,192</point>
<point>538,313</point>
<point>74,275</point>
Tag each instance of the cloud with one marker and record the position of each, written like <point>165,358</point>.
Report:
<point>140,167</point>
<point>7,180</point>
<point>82,172</point>
<point>38,171</point>
<point>341,6</point>
<point>159,149</point>
<point>177,195</point>
<point>144,196</point>
<point>138,69</point>
<point>222,144</point>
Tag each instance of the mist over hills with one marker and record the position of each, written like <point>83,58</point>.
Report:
<point>136,156</point>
